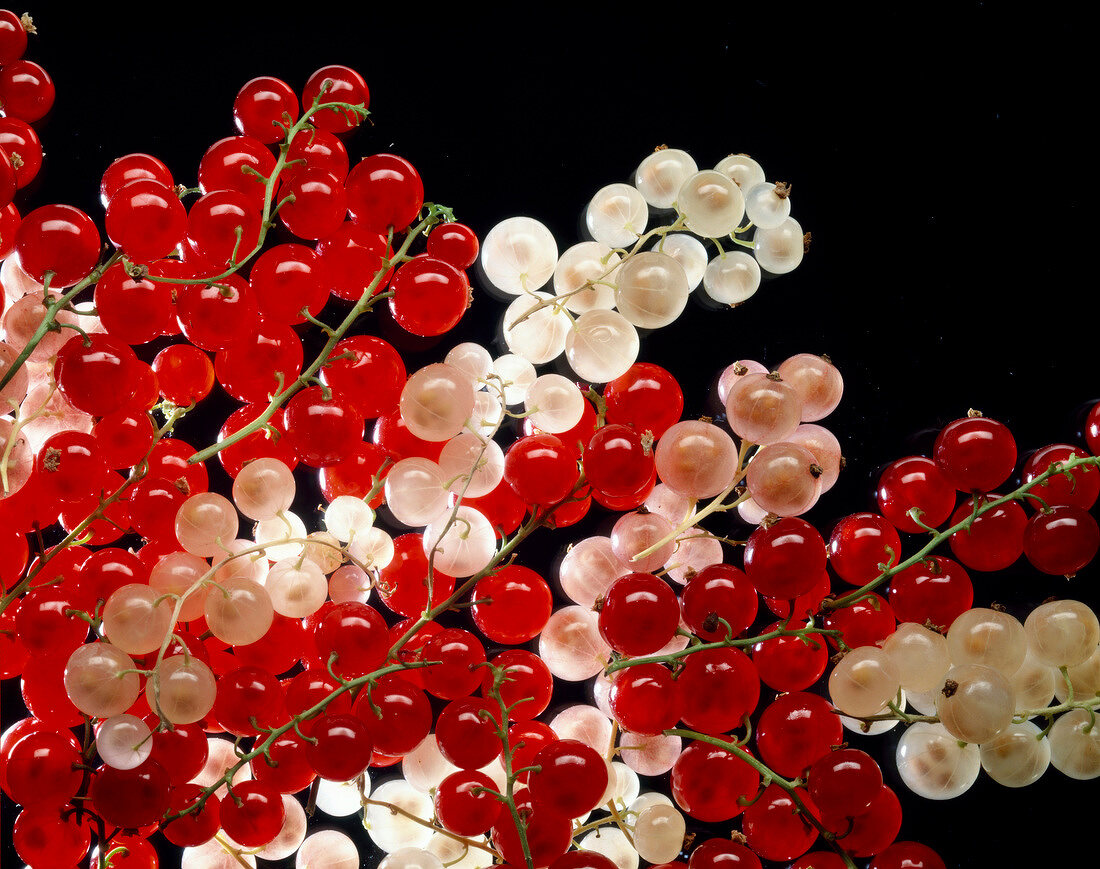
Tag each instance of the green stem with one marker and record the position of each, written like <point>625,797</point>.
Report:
<point>964,525</point>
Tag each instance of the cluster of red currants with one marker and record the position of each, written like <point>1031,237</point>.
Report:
<point>190,679</point>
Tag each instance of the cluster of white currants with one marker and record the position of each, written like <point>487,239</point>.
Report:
<point>607,288</point>
<point>984,682</point>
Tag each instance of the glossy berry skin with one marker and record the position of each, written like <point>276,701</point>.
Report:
<point>256,445</point>
<point>132,167</point>
<point>785,559</point>
<point>184,374</point>
<point>976,454</point>
<point>401,585</point>
<point>293,771</point>
<point>787,663</point>
<point>725,591</point>
<point>527,687</point>
<point>467,732</point>
<point>217,317</point>
<point>572,779</point>
<point>96,379</point>
<point>40,769</point>
<point>405,719</point>
<point>340,84</point>
<point>249,693</point>
<point>646,699</point>
<point>795,730</point>
<point>995,539</point>
<point>45,836</point>
<point>457,675</point>
<point>707,782</point>
<point>527,739</point>
<point>197,826</point>
<point>213,222</point>
<point>1079,489</point>
<point>846,781</point>
<point>583,860</point>
<point>357,634</point>
<point>356,474</point>
<point>313,204</point>
<point>454,243</point>
<point>859,544</point>
<point>258,819</point>
<point>646,398</point>
<point>19,137</point>
<point>615,461</point>
<point>26,90</point>
<point>59,239</point>
<point>13,37</point>
<point>146,220</point>
<point>285,279</point>
<point>908,855</point>
<point>265,108</point>
<point>871,832</point>
<point>723,854</point>
<point>519,608</point>
<point>371,378</point>
<point>343,748</point>
<point>865,623</point>
<point>384,190</point>
<point>548,833</point>
<point>134,310</point>
<point>352,258</point>
<point>918,482</point>
<point>322,432</point>
<point>1062,541</point>
<point>130,798</point>
<point>639,614</point>
<point>246,369</point>
<point>71,465</point>
<point>937,589</point>
<point>540,469</point>
<point>429,296</point>
<point>774,827</point>
<point>464,810</point>
<point>318,149</point>
<point>805,605</point>
<point>720,688</point>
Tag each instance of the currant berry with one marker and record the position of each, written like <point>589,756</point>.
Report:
<point>785,559</point>
<point>335,84</point>
<point>994,540</point>
<point>1062,540</point>
<point>58,239</point>
<point>708,782</point>
<point>936,590</point>
<point>384,191</point>
<point>265,108</point>
<point>571,779</point>
<point>976,454</point>
<point>917,483</point>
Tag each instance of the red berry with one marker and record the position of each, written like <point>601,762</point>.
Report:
<point>572,778</point>
<point>527,686</point>
<point>1062,541</point>
<point>384,191</point>
<point>865,623</point>
<point>253,814</point>
<point>719,688</point>
<point>343,747</point>
<point>646,397</point>
<point>775,827</point>
<point>724,591</point>
<point>464,809</point>
<point>321,431</point>
<point>723,854</point>
<point>26,90</point>
<point>646,699</point>
<point>237,163</point>
<point>59,239</point>
<point>455,243</point>
<point>285,279</point>
<point>265,108</point>
<point>540,469</point>
<point>397,713</point>
<point>846,781</point>
<point>13,42</point>
<point>976,454</point>
<point>796,730</point>
<point>1078,488</point>
<point>429,296</point>
<point>517,605</point>
<point>615,461</point>
<point>134,310</point>
<point>936,589</point>
<point>708,781</point>
<point>915,482</point>
<point>785,559</point>
<point>467,732</point>
<point>370,378</point>
<point>639,614</point>
<point>994,540</point>
<point>146,220</point>
<point>859,544</point>
<point>313,204</point>
<point>908,855</point>
<point>19,137</point>
<point>97,378</point>
<point>340,84</point>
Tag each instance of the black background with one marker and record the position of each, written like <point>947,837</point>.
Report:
<point>941,164</point>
